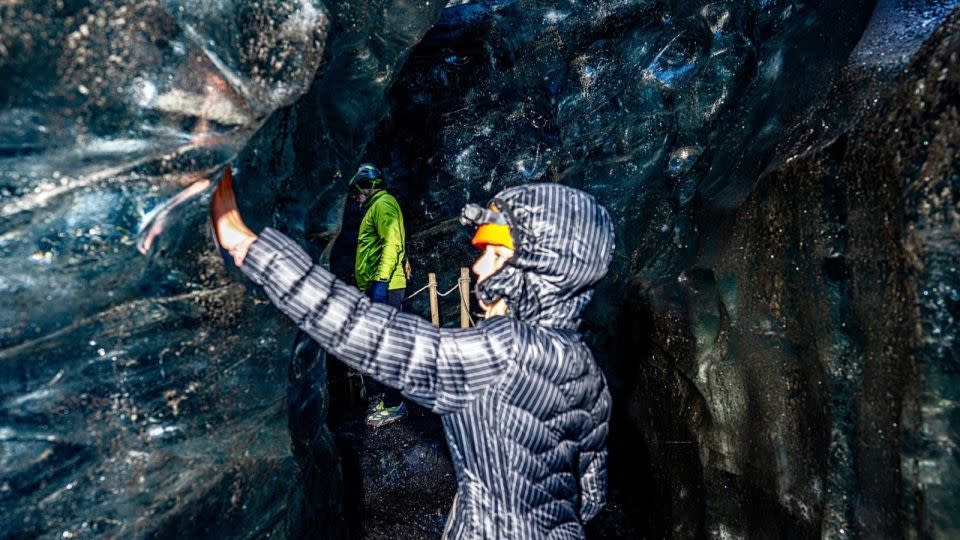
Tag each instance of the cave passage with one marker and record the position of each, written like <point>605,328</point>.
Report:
<point>778,328</point>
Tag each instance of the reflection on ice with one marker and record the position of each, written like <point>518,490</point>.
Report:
<point>676,60</point>
<point>897,29</point>
<point>158,432</point>
<point>95,158</point>
<point>157,219</point>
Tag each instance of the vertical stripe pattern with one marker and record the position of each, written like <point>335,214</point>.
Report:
<point>564,246</point>
<point>525,408</point>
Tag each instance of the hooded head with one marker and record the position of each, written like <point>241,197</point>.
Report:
<point>563,244</point>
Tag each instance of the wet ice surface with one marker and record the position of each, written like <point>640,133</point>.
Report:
<point>110,110</point>
<point>654,107</point>
<point>743,327</point>
<point>144,419</point>
<point>897,29</point>
<point>135,396</point>
<point>144,392</point>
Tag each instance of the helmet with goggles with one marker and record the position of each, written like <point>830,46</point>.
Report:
<point>368,176</point>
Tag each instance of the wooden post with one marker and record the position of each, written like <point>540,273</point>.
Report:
<point>464,298</point>
<point>434,309</point>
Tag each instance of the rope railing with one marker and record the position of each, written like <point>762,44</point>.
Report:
<point>455,287</point>
<point>420,290</point>
<point>463,284</point>
<point>427,286</point>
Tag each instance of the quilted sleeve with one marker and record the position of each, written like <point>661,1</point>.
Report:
<point>441,369</point>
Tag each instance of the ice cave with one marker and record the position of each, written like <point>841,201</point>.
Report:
<point>779,327</point>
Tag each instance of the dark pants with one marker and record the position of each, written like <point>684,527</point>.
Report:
<point>395,298</point>
<point>391,396</point>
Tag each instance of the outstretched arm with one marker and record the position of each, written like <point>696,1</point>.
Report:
<point>440,369</point>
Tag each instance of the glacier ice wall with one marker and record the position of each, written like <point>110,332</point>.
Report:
<point>143,393</point>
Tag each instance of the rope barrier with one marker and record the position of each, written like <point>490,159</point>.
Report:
<point>464,302</point>
<point>425,287</point>
<point>466,306</point>
<point>420,290</point>
<point>455,287</point>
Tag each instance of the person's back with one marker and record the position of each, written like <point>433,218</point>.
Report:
<point>531,447</point>
<point>532,435</point>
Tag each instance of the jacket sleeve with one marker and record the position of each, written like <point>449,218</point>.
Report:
<point>441,369</point>
<point>593,460</point>
<point>388,221</point>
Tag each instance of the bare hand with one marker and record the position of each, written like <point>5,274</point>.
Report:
<point>232,233</point>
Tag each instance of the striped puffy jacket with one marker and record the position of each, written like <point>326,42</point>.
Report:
<point>524,406</point>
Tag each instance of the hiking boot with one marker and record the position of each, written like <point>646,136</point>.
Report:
<point>386,415</point>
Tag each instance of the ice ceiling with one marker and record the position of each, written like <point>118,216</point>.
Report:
<point>779,329</point>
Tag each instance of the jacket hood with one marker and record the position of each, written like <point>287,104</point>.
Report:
<point>368,202</point>
<point>564,243</point>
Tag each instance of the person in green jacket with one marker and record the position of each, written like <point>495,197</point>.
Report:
<point>379,268</point>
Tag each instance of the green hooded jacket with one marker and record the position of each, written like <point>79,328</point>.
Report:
<point>380,244</point>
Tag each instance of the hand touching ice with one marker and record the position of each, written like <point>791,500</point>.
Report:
<point>229,229</point>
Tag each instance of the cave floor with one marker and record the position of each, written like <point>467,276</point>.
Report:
<point>398,479</point>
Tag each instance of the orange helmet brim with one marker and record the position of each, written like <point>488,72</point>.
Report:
<point>492,233</point>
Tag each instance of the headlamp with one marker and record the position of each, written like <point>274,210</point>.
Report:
<point>476,215</point>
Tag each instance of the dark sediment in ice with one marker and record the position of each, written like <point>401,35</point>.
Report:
<point>804,352</point>
<point>144,395</point>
